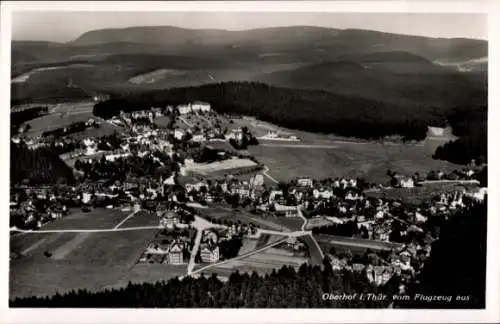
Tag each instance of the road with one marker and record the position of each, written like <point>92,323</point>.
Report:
<point>106,230</point>
<point>194,252</point>
<point>299,212</point>
<point>266,174</point>
<point>126,219</point>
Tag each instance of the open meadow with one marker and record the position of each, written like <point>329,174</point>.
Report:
<point>369,160</point>
<point>141,218</point>
<point>81,260</point>
<point>99,218</point>
<point>262,262</point>
<point>270,222</point>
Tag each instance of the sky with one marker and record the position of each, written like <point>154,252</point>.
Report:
<point>66,26</point>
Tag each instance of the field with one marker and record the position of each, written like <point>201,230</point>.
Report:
<point>263,262</point>
<point>266,239</point>
<point>264,222</point>
<point>418,195</point>
<point>82,260</point>
<point>155,76</point>
<point>225,165</point>
<point>96,219</point>
<point>370,160</point>
<point>60,115</point>
<point>355,245</point>
<point>53,121</point>
<point>260,128</point>
<point>249,245</point>
<point>104,129</point>
<point>141,218</point>
<point>317,222</point>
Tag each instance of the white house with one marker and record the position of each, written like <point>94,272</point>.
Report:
<point>113,157</point>
<point>323,194</point>
<point>305,182</point>
<point>435,131</point>
<point>274,194</point>
<point>184,109</point>
<point>287,211</point>
<point>209,253</point>
<point>419,218</point>
<point>178,134</point>
<point>200,106</point>
<point>198,138</point>
<point>407,183</point>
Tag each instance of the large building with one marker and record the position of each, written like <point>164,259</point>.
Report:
<point>193,107</point>
<point>175,254</point>
<point>209,253</point>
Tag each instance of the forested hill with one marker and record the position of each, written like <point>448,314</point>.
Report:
<point>457,265</point>
<point>309,110</point>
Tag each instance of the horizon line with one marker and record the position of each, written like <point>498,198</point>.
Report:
<point>247,29</point>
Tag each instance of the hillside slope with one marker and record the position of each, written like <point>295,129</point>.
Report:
<point>415,83</point>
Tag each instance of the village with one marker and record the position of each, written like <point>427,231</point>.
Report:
<point>175,164</point>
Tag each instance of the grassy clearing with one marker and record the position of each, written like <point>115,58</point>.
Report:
<point>317,222</point>
<point>53,121</point>
<point>104,129</point>
<point>264,222</point>
<point>101,260</point>
<point>96,219</point>
<point>262,262</point>
<point>248,246</point>
<point>370,161</point>
<point>142,218</point>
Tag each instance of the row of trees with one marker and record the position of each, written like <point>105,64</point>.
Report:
<point>20,116</point>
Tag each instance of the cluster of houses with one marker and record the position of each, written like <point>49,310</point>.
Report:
<point>401,181</point>
<point>30,208</point>
<point>169,246</point>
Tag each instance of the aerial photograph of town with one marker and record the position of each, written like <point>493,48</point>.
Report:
<point>248,160</point>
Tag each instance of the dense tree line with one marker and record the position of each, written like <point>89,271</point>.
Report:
<point>230,248</point>
<point>457,264</point>
<point>471,125</point>
<point>38,166</point>
<point>348,229</point>
<point>284,288</point>
<point>21,116</point>
<point>310,110</point>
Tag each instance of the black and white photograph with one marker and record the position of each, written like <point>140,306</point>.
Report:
<point>259,159</point>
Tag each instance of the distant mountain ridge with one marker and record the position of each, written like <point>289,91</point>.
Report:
<point>338,41</point>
